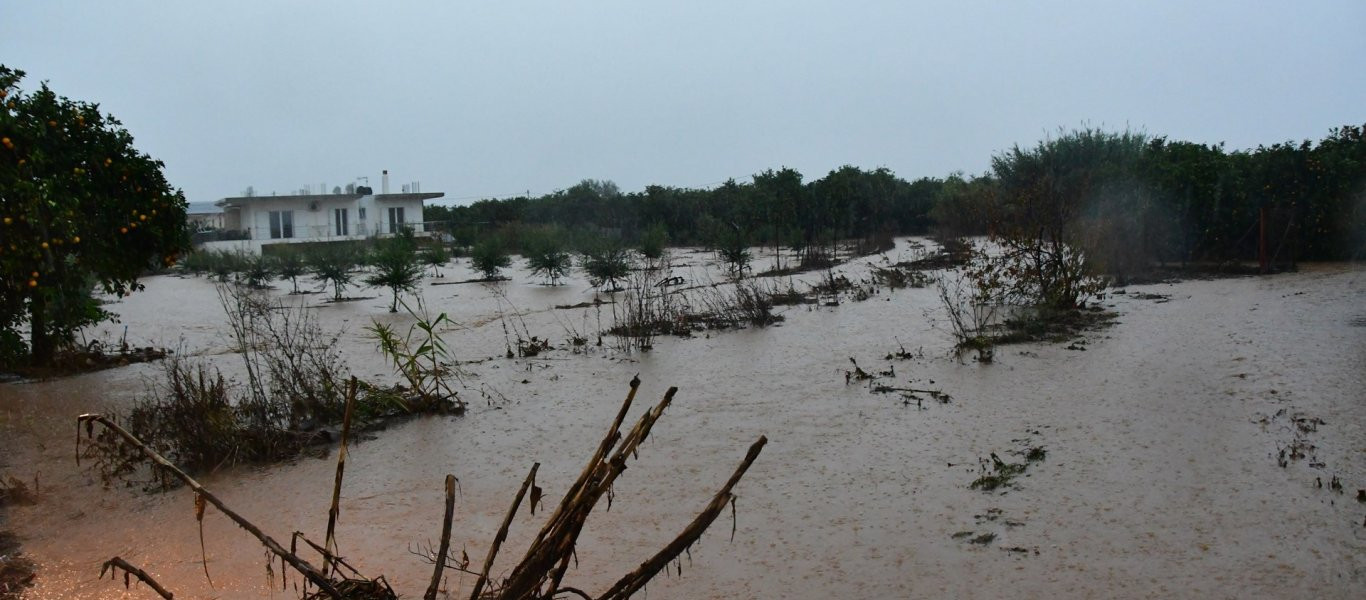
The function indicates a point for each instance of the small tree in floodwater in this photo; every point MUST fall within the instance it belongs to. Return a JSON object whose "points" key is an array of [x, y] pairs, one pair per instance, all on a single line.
{"points": [[654, 242], [395, 265], [333, 265], [549, 260], [435, 256], [732, 245], [256, 270], [289, 264], [606, 263], [489, 258]]}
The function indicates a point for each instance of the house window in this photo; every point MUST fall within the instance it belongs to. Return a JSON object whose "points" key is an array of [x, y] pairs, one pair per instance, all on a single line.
{"points": [[395, 219], [281, 224], [360, 213], [339, 218]]}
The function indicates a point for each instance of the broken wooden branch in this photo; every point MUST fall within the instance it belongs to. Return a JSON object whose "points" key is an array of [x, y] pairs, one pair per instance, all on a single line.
{"points": [[503, 531], [637, 579], [300, 565], [113, 565], [330, 541], [541, 570], [445, 539]]}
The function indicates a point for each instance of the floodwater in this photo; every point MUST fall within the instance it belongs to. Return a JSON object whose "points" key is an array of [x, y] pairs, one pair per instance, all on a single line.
{"points": [[1161, 476]]}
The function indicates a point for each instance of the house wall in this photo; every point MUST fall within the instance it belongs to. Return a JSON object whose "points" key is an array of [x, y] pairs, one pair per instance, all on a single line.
{"points": [[412, 213], [314, 219]]}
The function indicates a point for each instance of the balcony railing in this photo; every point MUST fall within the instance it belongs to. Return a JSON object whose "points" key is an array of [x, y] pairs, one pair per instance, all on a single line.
{"points": [[321, 232]]}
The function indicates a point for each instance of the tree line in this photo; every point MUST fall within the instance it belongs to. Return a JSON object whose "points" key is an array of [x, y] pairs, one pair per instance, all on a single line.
{"points": [[1131, 198]]}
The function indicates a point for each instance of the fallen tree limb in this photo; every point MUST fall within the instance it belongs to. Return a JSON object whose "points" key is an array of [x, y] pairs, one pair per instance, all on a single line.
{"points": [[114, 565], [330, 540], [445, 539], [633, 581], [300, 565], [503, 531]]}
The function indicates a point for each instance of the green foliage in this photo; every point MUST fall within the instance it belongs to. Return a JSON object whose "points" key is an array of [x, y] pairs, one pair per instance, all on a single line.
{"points": [[1057, 201], [421, 358], [256, 270], [79, 207], [549, 260], [289, 264], [333, 264], [732, 245], [224, 264], [654, 241], [395, 265], [434, 256], [606, 263], [488, 257]]}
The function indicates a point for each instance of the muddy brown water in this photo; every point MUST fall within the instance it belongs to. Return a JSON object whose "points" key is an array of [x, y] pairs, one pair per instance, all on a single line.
{"points": [[1161, 478]]}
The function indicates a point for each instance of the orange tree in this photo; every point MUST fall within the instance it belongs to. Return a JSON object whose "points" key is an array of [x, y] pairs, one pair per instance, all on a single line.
{"points": [[80, 208]]}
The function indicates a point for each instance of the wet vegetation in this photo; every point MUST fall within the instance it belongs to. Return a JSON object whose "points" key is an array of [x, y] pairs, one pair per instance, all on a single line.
{"points": [[1142, 200], [538, 575]]}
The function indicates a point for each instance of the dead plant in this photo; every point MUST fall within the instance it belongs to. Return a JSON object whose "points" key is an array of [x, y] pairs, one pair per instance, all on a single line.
{"points": [[538, 575]]}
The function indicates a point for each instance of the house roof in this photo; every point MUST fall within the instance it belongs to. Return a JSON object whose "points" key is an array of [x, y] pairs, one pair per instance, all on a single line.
{"points": [[241, 200], [202, 208], [417, 196]]}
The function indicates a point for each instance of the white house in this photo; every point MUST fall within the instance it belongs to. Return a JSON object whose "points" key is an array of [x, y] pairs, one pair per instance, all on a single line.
{"points": [[257, 221]]}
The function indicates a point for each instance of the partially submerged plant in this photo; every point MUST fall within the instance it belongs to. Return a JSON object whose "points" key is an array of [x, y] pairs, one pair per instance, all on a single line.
{"points": [[435, 256], [606, 263], [395, 266], [539, 575], [333, 265], [550, 261], [489, 258], [422, 358], [289, 264]]}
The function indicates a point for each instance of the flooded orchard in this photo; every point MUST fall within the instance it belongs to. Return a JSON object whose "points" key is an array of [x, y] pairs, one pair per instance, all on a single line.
{"points": [[1155, 472]]}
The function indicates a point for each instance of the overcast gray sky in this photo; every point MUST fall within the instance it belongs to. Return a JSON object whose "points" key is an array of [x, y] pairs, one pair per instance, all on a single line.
{"points": [[481, 99]]}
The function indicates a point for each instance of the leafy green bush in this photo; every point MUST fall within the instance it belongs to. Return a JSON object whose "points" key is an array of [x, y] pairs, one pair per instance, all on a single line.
{"points": [[489, 258], [395, 266]]}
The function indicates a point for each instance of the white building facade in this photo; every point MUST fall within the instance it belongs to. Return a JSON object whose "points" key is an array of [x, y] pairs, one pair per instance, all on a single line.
{"points": [[258, 221]]}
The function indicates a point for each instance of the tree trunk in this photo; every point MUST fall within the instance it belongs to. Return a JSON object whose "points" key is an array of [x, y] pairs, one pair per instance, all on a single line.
{"points": [[40, 344]]}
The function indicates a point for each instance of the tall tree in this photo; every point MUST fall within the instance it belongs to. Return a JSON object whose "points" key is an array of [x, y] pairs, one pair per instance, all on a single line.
{"points": [[79, 207]]}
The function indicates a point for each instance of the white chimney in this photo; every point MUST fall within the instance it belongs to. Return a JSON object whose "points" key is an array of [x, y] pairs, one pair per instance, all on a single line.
{"points": [[384, 186]]}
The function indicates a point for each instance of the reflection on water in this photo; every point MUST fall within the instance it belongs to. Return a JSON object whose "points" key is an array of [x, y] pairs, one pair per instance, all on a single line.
{"points": [[1160, 478]]}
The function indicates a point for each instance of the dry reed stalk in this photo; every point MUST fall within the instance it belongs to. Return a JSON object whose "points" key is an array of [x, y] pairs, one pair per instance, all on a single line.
{"points": [[330, 541], [507, 522], [541, 571], [445, 539], [299, 564], [635, 580], [113, 565]]}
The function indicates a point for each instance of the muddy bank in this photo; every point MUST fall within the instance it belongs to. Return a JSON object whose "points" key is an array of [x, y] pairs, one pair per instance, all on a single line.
{"points": [[1160, 478]]}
